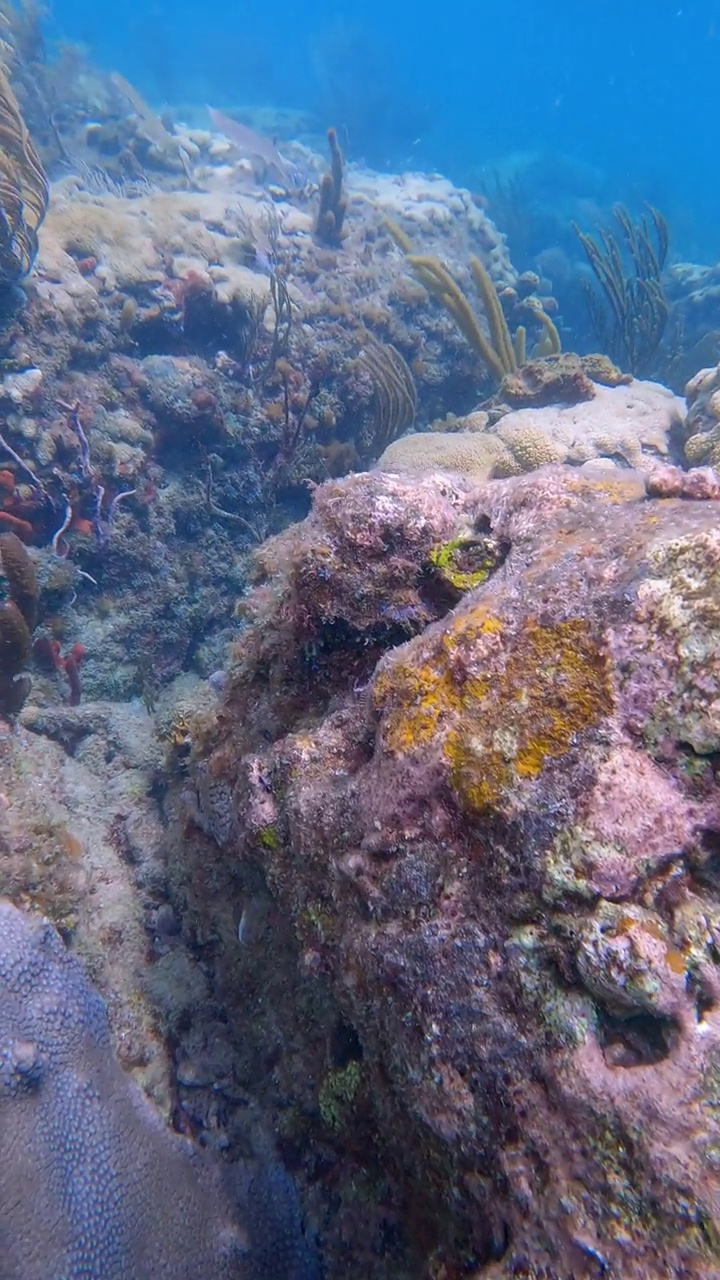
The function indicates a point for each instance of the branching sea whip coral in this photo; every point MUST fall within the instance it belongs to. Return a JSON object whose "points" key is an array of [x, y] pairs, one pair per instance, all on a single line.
{"points": [[501, 352], [631, 324]]}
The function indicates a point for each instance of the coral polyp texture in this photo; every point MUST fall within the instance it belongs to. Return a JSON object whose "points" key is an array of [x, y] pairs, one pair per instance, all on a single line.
{"points": [[702, 424], [625, 424], [496, 844], [91, 1184]]}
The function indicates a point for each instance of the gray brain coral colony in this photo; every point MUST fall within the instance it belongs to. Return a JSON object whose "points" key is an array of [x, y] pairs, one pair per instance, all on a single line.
{"points": [[92, 1184]]}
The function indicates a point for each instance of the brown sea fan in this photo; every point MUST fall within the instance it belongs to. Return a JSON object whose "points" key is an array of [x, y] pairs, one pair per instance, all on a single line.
{"points": [[23, 189]]}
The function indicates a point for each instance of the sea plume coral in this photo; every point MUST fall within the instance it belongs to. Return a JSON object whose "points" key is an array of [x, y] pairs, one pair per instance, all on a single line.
{"points": [[501, 352], [630, 314], [23, 189]]}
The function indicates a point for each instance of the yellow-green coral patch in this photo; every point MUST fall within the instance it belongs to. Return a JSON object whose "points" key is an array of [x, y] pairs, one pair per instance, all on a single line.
{"points": [[555, 683], [418, 698]]}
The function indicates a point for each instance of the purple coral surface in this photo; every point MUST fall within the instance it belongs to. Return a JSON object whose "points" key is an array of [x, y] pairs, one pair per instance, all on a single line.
{"points": [[496, 845]]}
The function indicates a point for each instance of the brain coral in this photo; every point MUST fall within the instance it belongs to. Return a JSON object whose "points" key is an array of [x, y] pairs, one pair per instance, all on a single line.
{"points": [[622, 423], [92, 1186], [474, 454]]}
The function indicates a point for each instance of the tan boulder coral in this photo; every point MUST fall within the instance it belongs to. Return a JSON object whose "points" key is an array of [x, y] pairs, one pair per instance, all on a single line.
{"points": [[621, 424], [475, 454], [432, 210], [702, 424], [133, 240]]}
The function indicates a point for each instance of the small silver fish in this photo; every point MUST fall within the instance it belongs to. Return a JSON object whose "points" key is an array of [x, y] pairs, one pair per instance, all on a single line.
{"points": [[251, 143]]}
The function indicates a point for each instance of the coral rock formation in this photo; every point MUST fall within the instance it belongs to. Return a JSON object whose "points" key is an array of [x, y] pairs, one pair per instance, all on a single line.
{"points": [[623, 424], [702, 425], [90, 1183], [499, 856], [17, 620]]}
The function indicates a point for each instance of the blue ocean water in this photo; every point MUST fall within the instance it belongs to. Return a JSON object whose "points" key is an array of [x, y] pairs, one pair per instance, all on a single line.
{"points": [[620, 99]]}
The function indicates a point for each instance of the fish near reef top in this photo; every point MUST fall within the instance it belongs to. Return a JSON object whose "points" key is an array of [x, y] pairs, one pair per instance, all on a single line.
{"points": [[92, 1184], [251, 143]]}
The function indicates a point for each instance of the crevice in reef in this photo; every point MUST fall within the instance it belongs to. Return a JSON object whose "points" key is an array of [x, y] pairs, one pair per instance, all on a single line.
{"points": [[704, 859], [641, 1040]]}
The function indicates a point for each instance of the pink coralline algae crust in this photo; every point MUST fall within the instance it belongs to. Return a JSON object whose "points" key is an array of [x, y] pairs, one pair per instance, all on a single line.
{"points": [[672, 482], [500, 853], [335, 592]]}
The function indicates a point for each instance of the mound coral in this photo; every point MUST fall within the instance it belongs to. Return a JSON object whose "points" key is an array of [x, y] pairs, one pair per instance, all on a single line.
{"points": [[622, 423], [67, 1105], [558, 379], [702, 425], [474, 454]]}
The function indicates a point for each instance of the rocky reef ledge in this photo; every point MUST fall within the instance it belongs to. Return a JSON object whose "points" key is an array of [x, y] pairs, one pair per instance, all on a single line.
{"points": [[468, 747]]}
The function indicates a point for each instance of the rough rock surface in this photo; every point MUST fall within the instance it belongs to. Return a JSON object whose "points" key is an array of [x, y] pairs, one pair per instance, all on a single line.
{"points": [[132, 239], [91, 1184], [498, 852], [81, 840]]}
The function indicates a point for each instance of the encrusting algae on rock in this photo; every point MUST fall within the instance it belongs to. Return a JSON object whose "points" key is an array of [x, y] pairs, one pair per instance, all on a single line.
{"points": [[554, 686], [500, 713]]}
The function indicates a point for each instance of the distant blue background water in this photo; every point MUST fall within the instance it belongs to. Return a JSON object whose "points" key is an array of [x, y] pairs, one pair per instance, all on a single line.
{"points": [[629, 89]]}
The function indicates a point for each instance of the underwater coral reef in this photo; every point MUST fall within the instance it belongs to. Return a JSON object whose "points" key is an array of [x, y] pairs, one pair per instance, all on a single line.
{"points": [[359, 689]]}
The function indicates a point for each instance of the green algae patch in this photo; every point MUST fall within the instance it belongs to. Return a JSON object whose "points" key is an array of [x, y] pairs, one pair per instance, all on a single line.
{"points": [[464, 563], [268, 838], [338, 1092]]}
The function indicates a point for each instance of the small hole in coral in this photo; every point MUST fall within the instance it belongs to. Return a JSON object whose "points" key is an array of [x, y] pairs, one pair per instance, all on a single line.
{"points": [[704, 998], [703, 1005], [639, 1041], [704, 860], [345, 1044]]}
